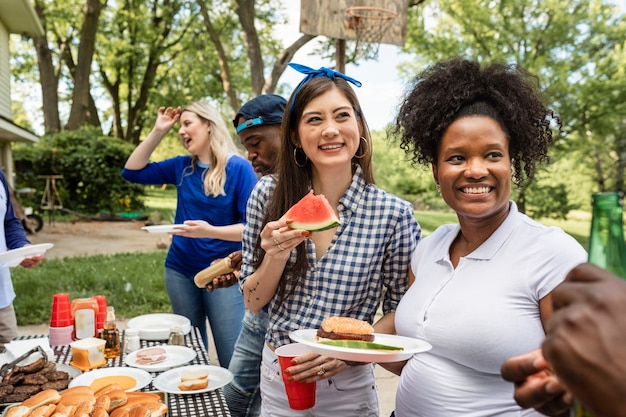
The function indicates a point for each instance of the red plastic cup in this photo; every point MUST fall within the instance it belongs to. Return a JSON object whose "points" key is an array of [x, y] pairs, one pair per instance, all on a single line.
{"points": [[102, 311], [61, 314], [301, 395]]}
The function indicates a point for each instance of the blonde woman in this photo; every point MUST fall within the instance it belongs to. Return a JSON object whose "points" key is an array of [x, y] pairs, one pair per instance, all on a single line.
{"points": [[212, 186]]}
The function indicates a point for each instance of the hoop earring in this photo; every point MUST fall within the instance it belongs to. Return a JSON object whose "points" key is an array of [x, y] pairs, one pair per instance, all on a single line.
{"points": [[365, 148], [295, 157]]}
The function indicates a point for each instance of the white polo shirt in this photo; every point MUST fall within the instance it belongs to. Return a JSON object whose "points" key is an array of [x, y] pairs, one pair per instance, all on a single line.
{"points": [[478, 315]]}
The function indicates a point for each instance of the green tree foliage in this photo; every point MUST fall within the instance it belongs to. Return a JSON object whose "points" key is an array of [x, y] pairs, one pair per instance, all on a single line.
{"points": [[90, 164], [395, 173], [576, 48]]}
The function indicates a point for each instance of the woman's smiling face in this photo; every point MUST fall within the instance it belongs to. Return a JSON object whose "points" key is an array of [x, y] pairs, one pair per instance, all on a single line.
{"points": [[329, 130], [473, 168]]}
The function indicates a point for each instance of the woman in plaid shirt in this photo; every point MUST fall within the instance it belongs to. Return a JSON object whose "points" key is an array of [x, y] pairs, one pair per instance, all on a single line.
{"points": [[349, 270]]}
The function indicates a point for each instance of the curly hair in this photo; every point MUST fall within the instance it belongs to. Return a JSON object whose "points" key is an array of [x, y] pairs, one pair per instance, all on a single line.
{"points": [[452, 89]]}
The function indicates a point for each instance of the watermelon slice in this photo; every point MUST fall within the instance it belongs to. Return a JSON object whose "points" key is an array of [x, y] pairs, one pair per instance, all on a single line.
{"points": [[312, 213]]}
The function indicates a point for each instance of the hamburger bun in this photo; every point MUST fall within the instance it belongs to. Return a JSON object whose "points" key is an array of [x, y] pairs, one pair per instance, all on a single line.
{"points": [[117, 398], [103, 402], [84, 409], [78, 399], [64, 410], [49, 396], [106, 389], [141, 411], [194, 374], [43, 411], [18, 411], [193, 384], [157, 409], [345, 328], [78, 389]]}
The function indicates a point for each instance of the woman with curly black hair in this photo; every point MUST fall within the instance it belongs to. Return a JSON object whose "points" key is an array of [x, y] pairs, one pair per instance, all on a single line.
{"points": [[481, 288]]}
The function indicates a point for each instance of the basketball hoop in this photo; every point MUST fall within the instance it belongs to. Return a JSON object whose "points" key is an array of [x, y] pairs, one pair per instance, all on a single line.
{"points": [[369, 25]]}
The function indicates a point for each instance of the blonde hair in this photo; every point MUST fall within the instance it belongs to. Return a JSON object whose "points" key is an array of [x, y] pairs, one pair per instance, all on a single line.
{"points": [[221, 146]]}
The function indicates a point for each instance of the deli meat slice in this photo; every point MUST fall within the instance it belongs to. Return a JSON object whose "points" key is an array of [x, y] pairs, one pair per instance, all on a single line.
{"points": [[150, 356]]}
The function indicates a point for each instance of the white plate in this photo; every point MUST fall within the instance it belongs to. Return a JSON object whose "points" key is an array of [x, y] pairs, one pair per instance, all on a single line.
{"points": [[411, 346], [168, 381], [157, 326], [143, 378], [71, 371], [15, 256], [175, 356], [162, 228]]}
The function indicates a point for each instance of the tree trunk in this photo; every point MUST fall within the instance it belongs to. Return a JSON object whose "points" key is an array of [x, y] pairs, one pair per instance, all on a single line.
{"points": [[47, 78], [281, 63], [223, 58], [80, 94], [245, 11]]}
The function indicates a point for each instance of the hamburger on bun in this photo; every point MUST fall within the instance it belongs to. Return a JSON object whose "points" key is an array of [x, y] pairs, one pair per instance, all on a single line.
{"points": [[345, 328]]}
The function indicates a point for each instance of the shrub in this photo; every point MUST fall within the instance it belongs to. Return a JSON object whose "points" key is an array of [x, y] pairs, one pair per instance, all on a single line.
{"points": [[91, 165]]}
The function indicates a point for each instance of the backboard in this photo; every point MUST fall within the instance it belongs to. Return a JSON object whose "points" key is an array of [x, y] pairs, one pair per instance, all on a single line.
{"points": [[329, 18]]}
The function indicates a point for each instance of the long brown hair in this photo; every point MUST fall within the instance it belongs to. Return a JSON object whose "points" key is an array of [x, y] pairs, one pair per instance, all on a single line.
{"points": [[293, 181]]}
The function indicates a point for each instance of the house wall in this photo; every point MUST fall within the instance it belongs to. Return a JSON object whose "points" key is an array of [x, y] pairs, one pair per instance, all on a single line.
{"points": [[5, 74]]}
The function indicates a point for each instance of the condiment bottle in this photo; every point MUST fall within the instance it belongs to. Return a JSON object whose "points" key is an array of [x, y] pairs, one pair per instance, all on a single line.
{"points": [[606, 246], [84, 313], [111, 335], [131, 340], [177, 337]]}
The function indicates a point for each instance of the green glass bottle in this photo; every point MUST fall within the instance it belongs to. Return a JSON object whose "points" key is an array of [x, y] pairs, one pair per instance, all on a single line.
{"points": [[606, 239], [606, 245]]}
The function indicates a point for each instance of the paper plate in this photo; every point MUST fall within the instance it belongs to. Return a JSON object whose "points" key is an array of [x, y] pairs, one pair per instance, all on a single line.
{"points": [[157, 326], [175, 356], [168, 381], [410, 347], [161, 228], [15, 256], [142, 377]]}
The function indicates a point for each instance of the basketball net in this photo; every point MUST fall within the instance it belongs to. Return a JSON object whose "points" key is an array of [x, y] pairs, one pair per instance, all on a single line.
{"points": [[369, 25]]}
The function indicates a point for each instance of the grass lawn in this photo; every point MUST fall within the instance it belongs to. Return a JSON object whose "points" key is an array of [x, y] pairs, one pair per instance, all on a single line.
{"points": [[133, 283]]}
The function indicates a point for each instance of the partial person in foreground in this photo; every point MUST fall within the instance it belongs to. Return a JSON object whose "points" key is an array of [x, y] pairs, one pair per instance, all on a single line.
{"points": [[258, 125], [14, 238], [481, 290], [584, 349], [347, 270], [213, 184]]}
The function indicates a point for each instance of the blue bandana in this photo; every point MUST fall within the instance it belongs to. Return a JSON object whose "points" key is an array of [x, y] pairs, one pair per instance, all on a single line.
{"points": [[314, 73]]}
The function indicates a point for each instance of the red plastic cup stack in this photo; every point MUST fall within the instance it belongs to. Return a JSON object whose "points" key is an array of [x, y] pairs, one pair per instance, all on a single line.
{"points": [[61, 323], [102, 312]]}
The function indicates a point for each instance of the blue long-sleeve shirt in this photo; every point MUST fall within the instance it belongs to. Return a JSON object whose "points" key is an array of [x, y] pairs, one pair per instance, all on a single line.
{"points": [[191, 255], [14, 237]]}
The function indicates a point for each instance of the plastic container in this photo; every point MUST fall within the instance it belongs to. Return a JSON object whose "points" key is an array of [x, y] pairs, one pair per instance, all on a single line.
{"points": [[84, 313], [131, 340], [88, 353]]}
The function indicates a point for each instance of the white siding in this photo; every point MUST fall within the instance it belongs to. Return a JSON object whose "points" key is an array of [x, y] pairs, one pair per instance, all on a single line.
{"points": [[5, 74]]}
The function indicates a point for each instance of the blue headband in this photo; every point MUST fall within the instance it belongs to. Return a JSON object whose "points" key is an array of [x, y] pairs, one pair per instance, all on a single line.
{"points": [[314, 73]]}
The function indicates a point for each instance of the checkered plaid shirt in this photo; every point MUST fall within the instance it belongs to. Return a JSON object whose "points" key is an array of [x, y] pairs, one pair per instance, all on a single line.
{"points": [[368, 260]]}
